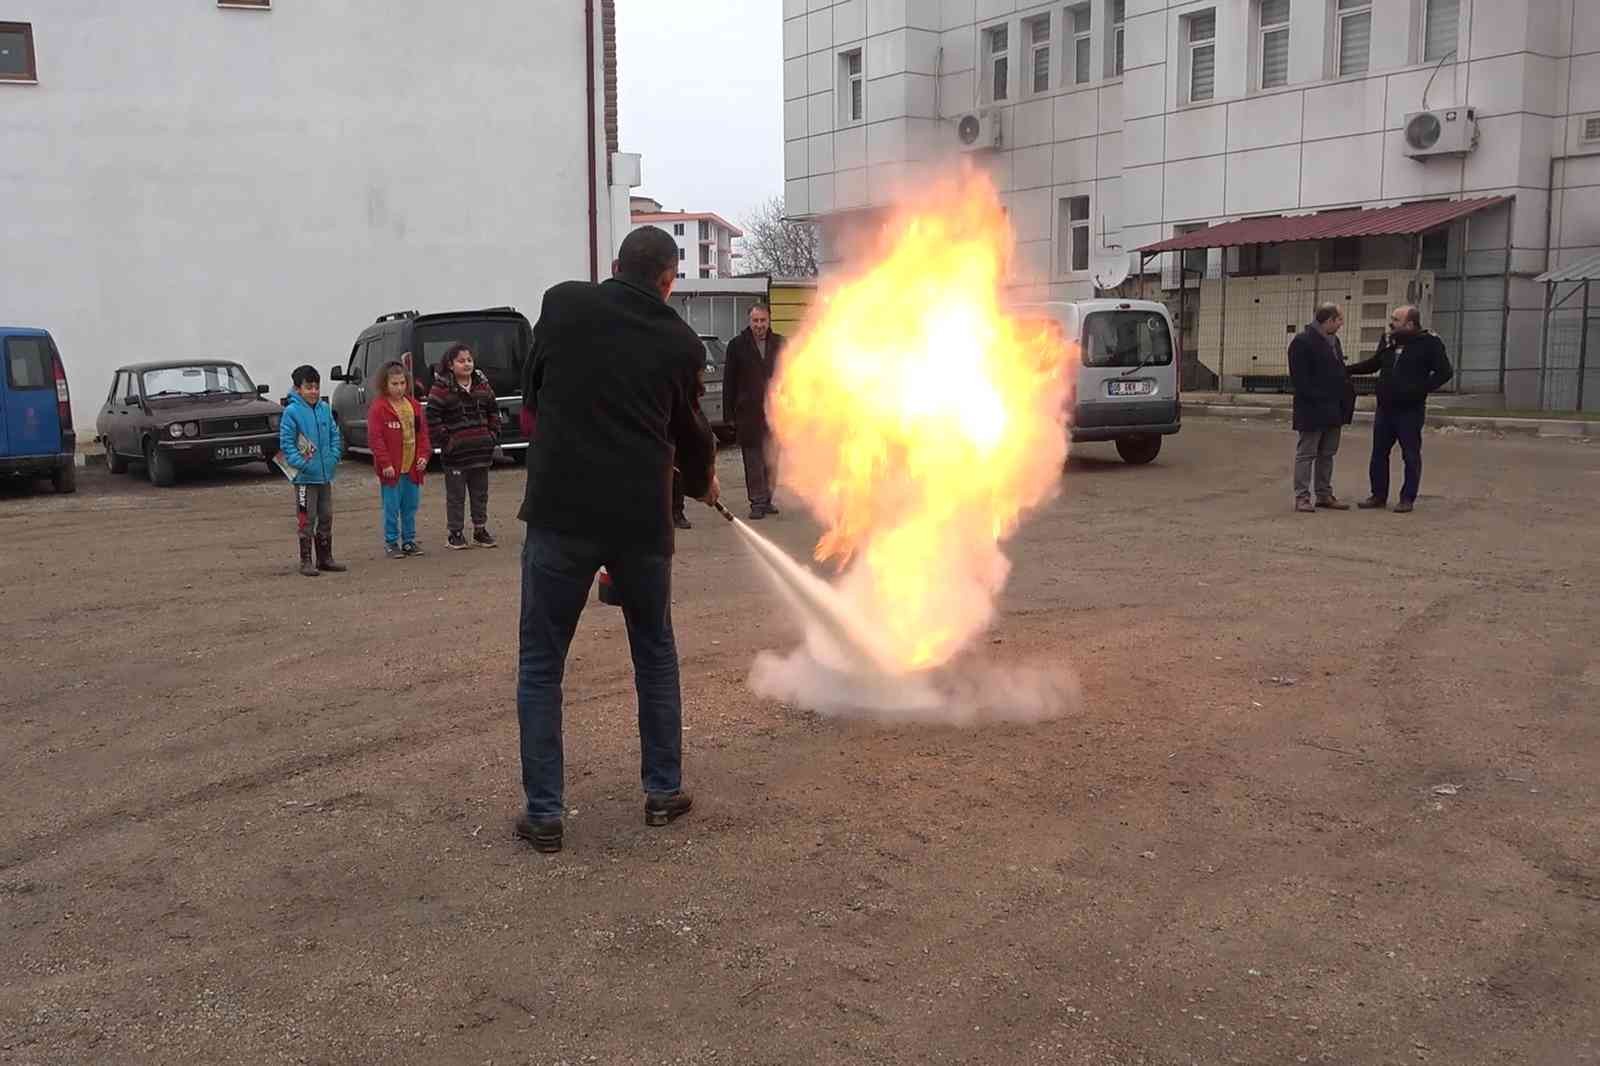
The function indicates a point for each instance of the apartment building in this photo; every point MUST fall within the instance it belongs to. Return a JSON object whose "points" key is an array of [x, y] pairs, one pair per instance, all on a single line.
{"points": [[259, 179], [705, 240], [1112, 126]]}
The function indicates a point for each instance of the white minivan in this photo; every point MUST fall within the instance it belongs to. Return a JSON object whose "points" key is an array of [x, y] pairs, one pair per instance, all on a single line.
{"points": [[1127, 363]]}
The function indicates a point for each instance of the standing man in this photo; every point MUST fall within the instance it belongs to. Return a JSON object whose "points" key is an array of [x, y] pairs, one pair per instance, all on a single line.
{"points": [[1316, 368], [1410, 363], [615, 382], [752, 364]]}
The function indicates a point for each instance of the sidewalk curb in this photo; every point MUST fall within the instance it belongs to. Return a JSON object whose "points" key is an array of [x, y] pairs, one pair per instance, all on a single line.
{"points": [[1536, 427]]}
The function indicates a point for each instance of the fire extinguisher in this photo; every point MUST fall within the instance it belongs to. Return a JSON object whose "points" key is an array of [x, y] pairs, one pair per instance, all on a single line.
{"points": [[608, 591]]}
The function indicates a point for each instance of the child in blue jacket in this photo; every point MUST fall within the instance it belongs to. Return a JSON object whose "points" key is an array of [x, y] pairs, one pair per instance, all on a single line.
{"points": [[311, 444]]}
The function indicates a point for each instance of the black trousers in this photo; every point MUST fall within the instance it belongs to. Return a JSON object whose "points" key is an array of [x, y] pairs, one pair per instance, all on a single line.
{"points": [[1389, 428]]}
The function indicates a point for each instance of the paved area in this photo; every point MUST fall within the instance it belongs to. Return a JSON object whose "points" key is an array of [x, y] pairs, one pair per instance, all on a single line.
{"points": [[1332, 795]]}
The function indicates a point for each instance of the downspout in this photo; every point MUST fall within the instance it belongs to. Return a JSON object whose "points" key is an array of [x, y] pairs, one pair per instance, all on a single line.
{"points": [[594, 192]]}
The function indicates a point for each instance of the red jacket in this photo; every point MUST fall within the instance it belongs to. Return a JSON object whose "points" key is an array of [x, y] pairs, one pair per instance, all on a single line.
{"points": [[383, 437]]}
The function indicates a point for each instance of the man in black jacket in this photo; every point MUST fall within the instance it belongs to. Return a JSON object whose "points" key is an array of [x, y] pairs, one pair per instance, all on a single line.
{"points": [[752, 364], [1316, 368], [614, 382], [1410, 363]]}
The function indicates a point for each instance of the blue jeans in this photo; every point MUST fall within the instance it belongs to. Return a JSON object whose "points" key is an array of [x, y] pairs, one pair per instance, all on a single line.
{"points": [[557, 572], [1405, 428], [400, 511]]}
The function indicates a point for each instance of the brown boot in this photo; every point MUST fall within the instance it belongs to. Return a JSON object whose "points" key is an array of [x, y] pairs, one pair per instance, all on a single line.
{"points": [[1332, 503], [325, 555], [1305, 507], [307, 567]]}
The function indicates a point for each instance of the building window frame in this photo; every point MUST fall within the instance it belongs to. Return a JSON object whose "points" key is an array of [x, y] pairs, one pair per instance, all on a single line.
{"points": [[1079, 22], [1193, 24], [1116, 39], [852, 87], [1270, 35], [1346, 13], [677, 229], [1040, 46], [29, 75], [1429, 16], [996, 62], [1073, 220], [1589, 132]]}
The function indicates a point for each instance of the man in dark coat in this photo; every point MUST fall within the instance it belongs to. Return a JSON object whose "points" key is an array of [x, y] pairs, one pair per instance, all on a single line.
{"points": [[1316, 369], [1410, 363], [614, 384], [752, 364]]}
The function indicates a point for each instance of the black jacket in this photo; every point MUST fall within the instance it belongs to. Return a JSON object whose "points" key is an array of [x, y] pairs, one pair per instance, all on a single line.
{"points": [[1317, 372], [745, 383], [614, 381], [1408, 368]]}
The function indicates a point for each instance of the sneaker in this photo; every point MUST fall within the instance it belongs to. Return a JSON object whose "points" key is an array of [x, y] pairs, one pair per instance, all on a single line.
{"points": [[483, 538], [1305, 507], [1372, 503], [1403, 507], [757, 514], [411, 547], [661, 808], [457, 541], [681, 521], [392, 551], [544, 834], [1333, 503]]}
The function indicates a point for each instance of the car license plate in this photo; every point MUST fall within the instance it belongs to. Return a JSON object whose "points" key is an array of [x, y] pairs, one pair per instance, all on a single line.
{"points": [[238, 451], [1142, 387], [714, 389]]}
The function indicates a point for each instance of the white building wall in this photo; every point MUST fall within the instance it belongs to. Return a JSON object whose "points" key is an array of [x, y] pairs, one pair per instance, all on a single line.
{"points": [[1151, 160], [263, 184]]}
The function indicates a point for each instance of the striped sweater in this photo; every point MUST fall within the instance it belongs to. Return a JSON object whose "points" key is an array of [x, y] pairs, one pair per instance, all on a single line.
{"points": [[464, 424]]}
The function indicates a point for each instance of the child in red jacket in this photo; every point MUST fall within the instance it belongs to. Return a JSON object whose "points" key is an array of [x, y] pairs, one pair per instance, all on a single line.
{"points": [[397, 432]]}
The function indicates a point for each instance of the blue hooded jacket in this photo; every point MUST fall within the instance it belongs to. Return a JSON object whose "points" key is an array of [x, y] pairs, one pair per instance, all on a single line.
{"points": [[317, 425]]}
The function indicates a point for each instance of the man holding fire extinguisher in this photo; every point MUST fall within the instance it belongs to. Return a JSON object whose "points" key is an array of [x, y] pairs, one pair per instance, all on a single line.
{"points": [[612, 389]]}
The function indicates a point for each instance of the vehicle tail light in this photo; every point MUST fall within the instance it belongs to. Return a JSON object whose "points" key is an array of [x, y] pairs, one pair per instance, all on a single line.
{"points": [[63, 397]]}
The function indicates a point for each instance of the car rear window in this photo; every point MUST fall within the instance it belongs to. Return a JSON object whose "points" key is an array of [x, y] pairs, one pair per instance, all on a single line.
{"points": [[1126, 338], [497, 344], [28, 363]]}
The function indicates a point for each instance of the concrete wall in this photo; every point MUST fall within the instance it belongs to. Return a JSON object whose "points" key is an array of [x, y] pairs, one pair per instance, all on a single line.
{"points": [[263, 184]]}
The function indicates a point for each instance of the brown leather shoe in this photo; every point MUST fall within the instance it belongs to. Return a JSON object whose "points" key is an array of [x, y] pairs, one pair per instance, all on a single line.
{"points": [[1333, 503], [1403, 507], [544, 835], [661, 809], [1305, 507], [1372, 503]]}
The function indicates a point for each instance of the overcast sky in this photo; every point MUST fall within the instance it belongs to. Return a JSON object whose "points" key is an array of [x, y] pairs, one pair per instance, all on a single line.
{"points": [[701, 98]]}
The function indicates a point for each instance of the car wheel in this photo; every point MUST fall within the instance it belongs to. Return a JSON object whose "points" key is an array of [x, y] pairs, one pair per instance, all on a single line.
{"points": [[114, 462], [1138, 450], [158, 466], [65, 479]]}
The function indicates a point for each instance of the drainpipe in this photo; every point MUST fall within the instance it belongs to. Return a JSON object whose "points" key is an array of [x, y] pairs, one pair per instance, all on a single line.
{"points": [[594, 192]]}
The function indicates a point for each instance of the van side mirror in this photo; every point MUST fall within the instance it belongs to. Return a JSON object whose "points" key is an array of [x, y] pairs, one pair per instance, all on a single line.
{"points": [[336, 374], [262, 390]]}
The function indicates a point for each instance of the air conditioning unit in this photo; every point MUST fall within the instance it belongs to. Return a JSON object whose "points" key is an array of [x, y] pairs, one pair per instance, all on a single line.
{"points": [[978, 130], [1442, 131]]}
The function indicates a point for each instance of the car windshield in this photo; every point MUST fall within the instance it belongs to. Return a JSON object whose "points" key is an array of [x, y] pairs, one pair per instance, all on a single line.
{"points": [[201, 379], [1126, 338]]}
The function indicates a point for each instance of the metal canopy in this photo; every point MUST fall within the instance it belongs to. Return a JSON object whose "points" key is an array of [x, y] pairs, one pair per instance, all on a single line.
{"points": [[1583, 270], [1405, 219]]}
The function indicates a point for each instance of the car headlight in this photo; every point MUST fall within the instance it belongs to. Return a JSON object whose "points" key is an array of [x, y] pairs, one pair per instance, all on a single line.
{"points": [[176, 429], [191, 429], [272, 421]]}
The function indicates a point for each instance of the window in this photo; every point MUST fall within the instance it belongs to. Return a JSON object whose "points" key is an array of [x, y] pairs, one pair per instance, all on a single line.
{"points": [[1342, 254], [1119, 11], [677, 229], [1194, 260], [1039, 52], [1274, 43], [1074, 234], [1435, 255], [16, 52], [130, 387], [1202, 46], [1126, 338], [1442, 25], [1256, 260], [680, 276], [995, 45], [1591, 128], [28, 363], [853, 91], [705, 272], [1080, 44], [705, 230], [1354, 36], [682, 255]]}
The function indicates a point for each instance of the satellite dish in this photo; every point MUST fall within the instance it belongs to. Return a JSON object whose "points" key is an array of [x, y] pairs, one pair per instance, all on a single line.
{"points": [[1108, 267]]}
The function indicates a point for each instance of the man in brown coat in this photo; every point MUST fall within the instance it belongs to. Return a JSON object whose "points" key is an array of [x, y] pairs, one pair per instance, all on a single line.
{"points": [[752, 364]]}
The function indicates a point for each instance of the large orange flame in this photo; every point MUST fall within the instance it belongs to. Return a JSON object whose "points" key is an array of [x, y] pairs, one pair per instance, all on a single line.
{"points": [[920, 420]]}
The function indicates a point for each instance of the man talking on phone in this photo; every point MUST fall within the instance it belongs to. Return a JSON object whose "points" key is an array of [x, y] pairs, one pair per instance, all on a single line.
{"points": [[1410, 363]]}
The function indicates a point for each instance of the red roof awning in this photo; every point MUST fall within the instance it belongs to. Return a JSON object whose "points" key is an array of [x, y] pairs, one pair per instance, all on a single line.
{"points": [[1325, 225]]}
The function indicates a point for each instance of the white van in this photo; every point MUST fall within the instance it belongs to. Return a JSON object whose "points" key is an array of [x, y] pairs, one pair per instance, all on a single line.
{"points": [[1127, 388]]}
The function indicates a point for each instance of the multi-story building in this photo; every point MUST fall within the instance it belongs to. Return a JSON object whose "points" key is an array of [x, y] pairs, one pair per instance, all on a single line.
{"points": [[705, 240], [260, 179], [1112, 126]]}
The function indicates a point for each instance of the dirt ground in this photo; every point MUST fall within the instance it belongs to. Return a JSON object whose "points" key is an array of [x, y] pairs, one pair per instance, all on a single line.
{"points": [[253, 818]]}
